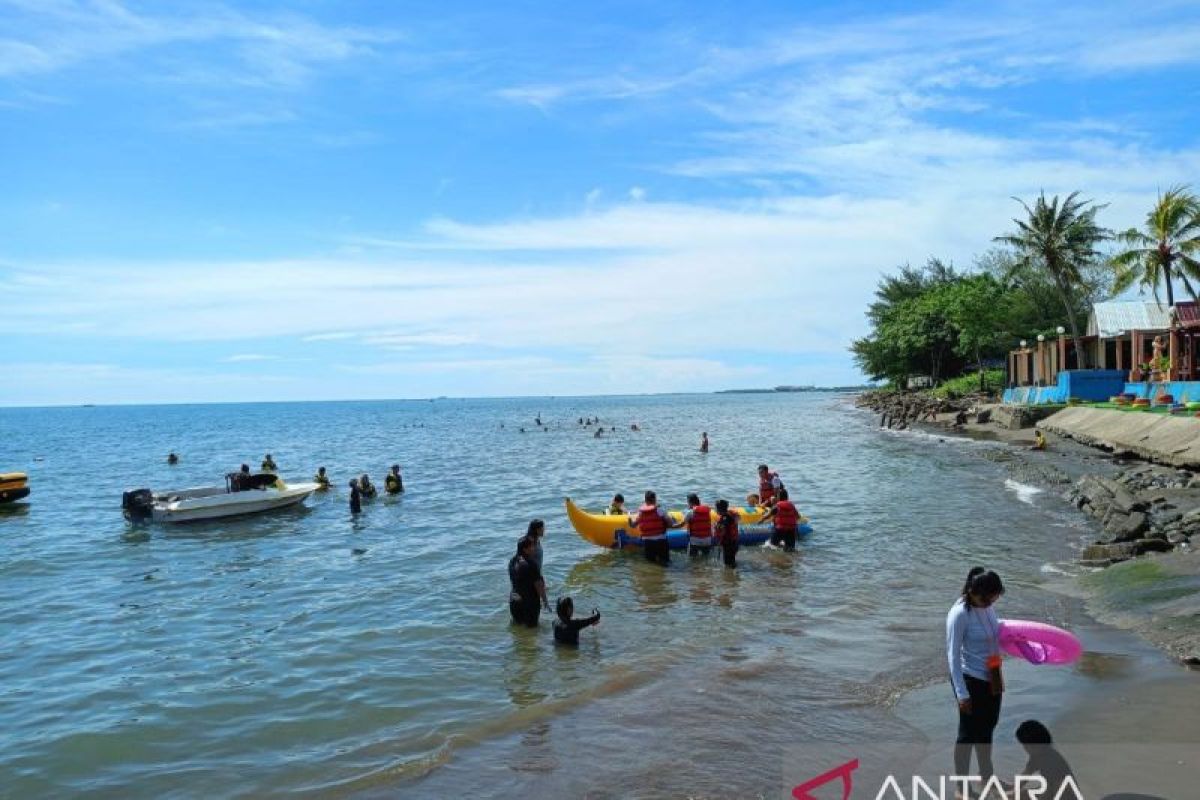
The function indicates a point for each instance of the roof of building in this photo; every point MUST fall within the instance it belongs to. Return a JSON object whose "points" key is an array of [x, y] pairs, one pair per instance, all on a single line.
{"points": [[1188, 314], [1117, 317]]}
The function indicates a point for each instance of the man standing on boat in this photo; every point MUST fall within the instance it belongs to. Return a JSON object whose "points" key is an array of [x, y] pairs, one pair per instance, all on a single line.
{"points": [[652, 524]]}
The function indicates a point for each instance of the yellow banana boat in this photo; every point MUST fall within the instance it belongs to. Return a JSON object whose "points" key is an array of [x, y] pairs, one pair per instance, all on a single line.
{"points": [[601, 529], [12, 486]]}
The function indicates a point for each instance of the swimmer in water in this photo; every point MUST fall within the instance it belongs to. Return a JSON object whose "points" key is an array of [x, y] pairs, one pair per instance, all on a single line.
{"points": [[566, 630], [321, 479], [394, 483], [704, 442], [355, 497], [366, 487], [172, 458], [268, 464], [617, 506]]}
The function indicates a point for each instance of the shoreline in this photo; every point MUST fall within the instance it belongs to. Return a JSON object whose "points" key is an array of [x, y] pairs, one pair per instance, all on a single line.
{"points": [[1117, 593]]}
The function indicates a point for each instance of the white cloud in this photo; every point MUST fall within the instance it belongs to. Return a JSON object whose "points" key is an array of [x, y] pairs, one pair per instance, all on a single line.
{"points": [[244, 357], [637, 194]]}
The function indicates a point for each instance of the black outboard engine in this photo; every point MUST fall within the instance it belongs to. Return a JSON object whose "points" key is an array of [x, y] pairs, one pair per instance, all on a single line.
{"points": [[138, 504]]}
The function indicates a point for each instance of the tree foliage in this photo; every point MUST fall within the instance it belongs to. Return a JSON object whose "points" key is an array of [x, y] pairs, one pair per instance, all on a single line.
{"points": [[1168, 247]]}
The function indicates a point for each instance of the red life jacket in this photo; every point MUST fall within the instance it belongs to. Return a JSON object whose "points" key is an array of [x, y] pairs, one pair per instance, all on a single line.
{"points": [[700, 525], [650, 523], [766, 489], [786, 516]]}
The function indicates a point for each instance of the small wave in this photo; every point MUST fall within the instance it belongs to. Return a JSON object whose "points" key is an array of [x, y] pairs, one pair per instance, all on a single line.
{"points": [[1024, 492]]}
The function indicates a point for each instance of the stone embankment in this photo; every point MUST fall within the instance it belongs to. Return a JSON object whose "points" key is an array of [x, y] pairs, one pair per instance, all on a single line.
{"points": [[902, 409], [1174, 441], [1145, 509]]}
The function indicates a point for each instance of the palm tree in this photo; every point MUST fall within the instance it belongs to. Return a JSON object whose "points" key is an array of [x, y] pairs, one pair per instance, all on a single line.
{"points": [[1167, 248], [1060, 239]]}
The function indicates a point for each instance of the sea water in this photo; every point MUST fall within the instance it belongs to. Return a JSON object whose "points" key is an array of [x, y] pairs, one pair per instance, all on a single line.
{"points": [[310, 651]]}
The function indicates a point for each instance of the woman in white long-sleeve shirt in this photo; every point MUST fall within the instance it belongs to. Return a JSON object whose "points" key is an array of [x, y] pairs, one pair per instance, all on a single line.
{"points": [[973, 653]]}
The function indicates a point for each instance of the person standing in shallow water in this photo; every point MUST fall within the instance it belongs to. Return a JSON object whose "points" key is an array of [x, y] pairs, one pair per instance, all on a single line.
{"points": [[528, 588], [355, 497], [727, 533], [394, 482], [535, 531], [652, 524], [704, 442], [973, 655]]}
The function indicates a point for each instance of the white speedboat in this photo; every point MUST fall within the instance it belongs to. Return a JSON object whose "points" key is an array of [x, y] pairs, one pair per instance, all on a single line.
{"points": [[251, 494]]}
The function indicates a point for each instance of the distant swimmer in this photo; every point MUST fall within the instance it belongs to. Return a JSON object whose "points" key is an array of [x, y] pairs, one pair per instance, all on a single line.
{"points": [[538, 420], [355, 497], [522, 430], [704, 442], [321, 479], [566, 629], [617, 506], [172, 459], [786, 522], [599, 431], [1039, 440], [245, 469], [698, 521], [634, 427], [769, 484], [652, 523], [581, 420], [366, 487], [394, 483], [268, 464]]}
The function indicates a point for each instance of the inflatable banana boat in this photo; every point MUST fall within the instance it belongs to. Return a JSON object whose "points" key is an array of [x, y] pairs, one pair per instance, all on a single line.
{"points": [[613, 530], [12, 486]]}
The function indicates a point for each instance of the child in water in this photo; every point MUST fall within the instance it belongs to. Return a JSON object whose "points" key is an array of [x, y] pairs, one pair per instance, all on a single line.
{"points": [[727, 533], [617, 506], [1044, 759], [566, 630], [753, 501]]}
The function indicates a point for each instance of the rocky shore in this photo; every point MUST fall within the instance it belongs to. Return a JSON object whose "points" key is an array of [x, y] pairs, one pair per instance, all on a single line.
{"points": [[1143, 569]]}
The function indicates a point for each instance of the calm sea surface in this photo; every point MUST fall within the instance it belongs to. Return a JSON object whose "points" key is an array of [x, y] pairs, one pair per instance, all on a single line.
{"points": [[308, 652]]}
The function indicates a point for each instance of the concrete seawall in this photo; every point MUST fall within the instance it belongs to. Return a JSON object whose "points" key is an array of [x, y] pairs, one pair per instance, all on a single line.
{"points": [[1156, 437]]}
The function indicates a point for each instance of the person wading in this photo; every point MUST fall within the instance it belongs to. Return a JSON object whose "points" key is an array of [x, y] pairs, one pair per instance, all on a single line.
{"points": [[528, 595], [652, 524]]}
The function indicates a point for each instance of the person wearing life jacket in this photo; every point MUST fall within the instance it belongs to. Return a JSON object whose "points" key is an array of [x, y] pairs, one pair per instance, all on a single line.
{"points": [[727, 533], [321, 479], [698, 521], [786, 521], [394, 483], [617, 506], [652, 524], [768, 485], [268, 464]]}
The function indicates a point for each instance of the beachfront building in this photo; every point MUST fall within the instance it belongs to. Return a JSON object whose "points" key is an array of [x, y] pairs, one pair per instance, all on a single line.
{"points": [[1129, 345], [1120, 336]]}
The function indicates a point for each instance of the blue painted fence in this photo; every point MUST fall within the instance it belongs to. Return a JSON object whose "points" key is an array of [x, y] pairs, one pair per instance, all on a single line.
{"points": [[1093, 385]]}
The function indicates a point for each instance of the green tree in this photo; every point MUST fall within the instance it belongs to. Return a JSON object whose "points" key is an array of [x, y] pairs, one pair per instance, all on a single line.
{"points": [[1166, 248], [1062, 239], [979, 308]]}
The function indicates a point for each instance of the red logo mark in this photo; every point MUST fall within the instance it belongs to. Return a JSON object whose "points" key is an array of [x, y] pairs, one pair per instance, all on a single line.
{"points": [[801, 791]]}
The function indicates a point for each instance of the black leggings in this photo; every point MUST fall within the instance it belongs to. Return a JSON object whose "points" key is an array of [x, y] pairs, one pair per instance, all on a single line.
{"points": [[785, 537], [729, 552], [657, 550], [975, 729], [525, 613]]}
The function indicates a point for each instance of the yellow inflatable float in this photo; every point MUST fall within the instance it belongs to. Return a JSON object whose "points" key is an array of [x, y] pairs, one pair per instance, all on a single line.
{"points": [[601, 529]]}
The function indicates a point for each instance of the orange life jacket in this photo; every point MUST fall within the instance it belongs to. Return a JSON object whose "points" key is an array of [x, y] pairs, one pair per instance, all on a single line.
{"points": [[766, 489], [786, 516], [700, 525], [650, 523]]}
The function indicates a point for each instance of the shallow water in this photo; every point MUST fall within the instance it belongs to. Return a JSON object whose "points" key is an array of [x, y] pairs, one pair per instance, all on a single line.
{"points": [[304, 651]]}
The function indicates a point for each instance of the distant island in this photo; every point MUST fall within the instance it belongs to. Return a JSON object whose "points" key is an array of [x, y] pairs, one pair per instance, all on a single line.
{"points": [[796, 389]]}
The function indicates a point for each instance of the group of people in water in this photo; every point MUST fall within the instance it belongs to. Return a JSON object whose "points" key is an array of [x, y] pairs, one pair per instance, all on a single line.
{"points": [[528, 598]]}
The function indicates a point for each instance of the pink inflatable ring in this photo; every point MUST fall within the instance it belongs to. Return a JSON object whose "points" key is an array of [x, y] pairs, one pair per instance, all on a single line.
{"points": [[1038, 643]]}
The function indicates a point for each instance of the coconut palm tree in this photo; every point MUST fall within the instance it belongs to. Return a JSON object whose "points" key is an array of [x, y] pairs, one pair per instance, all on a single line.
{"points": [[1060, 238], [1167, 247]]}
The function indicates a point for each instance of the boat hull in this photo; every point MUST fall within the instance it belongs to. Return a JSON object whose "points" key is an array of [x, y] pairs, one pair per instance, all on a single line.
{"points": [[13, 494], [613, 530], [204, 506]]}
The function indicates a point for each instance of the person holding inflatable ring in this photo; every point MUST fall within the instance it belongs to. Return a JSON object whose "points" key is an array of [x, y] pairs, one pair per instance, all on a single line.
{"points": [[973, 655]]}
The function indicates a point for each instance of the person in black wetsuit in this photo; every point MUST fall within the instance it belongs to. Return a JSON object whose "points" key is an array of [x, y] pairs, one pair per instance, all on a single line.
{"points": [[355, 497], [528, 595], [566, 630]]}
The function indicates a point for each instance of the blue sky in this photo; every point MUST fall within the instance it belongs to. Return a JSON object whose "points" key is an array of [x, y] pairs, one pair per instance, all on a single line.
{"points": [[320, 200]]}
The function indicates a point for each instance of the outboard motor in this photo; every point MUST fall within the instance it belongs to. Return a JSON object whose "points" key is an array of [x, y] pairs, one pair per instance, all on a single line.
{"points": [[138, 504]]}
